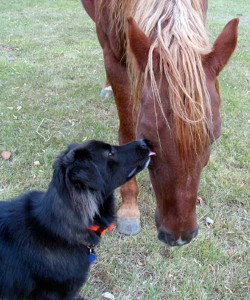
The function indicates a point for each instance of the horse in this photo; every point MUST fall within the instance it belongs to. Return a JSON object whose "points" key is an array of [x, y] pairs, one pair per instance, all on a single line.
{"points": [[164, 75]]}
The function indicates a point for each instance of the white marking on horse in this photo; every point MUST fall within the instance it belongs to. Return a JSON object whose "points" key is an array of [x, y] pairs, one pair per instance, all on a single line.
{"points": [[180, 242]]}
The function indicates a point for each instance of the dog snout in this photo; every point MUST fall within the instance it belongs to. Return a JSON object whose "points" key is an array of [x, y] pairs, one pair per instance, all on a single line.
{"points": [[173, 240], [144, 144]]}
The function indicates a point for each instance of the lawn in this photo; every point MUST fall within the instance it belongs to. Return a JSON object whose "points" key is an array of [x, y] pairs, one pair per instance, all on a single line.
{"points": [[51, 74]]}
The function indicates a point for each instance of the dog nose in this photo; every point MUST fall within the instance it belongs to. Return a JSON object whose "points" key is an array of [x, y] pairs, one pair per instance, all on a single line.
{"points": [[173, 240], [144, 144]]}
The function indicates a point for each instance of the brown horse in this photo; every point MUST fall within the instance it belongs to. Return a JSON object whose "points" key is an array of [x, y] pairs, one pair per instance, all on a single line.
{"points": [[163, 72]]}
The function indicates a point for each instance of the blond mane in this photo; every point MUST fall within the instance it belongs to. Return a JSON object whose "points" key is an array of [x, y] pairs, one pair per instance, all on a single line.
{"points": [[178, 34]]}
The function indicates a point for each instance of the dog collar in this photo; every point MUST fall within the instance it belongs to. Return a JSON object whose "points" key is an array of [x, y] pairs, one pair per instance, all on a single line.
{"points": [[101, 230]]}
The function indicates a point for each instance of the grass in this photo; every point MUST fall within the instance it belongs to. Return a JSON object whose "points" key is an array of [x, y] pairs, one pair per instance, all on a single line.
{"points": [[51, 74]]}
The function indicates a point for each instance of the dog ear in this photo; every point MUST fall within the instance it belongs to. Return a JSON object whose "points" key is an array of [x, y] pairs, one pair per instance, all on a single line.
{"points": [[84, 182], [86, 175]]}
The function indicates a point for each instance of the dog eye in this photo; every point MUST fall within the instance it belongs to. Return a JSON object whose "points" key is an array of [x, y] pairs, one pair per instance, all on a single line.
{"points": [[110, 153]]}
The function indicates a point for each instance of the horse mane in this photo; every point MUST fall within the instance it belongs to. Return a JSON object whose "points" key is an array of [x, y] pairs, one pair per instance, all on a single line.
{"points": [[179, 37]]}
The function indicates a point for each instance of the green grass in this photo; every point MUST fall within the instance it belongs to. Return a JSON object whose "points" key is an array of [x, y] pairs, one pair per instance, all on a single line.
{"points": [[51, 74]]}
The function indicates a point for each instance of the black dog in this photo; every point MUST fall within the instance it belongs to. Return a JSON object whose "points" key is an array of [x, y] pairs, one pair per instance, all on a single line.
{"points": [[46, 241]]}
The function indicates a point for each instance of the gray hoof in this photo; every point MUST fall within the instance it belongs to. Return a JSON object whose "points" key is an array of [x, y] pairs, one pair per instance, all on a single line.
{"points": [[107, 92], [128, 226]]}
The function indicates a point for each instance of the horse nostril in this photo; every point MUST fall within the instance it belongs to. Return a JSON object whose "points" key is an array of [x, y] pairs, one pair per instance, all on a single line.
{"points": [[174, 240], [166, 237]]}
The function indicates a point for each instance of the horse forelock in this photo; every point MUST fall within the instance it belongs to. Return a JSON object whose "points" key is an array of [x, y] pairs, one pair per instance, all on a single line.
{"points": [[179, 37]]}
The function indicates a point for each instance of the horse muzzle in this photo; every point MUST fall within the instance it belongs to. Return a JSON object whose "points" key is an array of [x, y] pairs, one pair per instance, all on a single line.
{"points": [[176, 240]]}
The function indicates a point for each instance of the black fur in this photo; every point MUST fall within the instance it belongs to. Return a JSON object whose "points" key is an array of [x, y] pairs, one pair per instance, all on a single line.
{"points": [[44, 235]]}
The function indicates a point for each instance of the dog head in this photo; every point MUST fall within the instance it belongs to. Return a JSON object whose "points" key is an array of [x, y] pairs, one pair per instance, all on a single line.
{"points": [[91, 171]]}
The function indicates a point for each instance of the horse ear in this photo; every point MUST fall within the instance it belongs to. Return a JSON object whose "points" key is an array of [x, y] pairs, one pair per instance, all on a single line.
{"points": [[139, 43], [223, 48]]}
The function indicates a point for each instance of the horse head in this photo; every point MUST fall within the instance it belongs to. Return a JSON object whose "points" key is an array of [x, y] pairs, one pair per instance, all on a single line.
{"points": [[175, 171]]}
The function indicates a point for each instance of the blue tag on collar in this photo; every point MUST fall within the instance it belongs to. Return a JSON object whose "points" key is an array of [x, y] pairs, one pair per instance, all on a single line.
{"points": [[92, 257]]}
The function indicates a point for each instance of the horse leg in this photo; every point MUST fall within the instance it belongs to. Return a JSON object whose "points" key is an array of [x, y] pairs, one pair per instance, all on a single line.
{"points": [[128, 216], [89, 6], [107, 91]]}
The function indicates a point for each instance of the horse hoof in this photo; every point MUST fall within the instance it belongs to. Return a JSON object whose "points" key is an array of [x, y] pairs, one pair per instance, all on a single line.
{"points": [[107, 92], [128, 226]]}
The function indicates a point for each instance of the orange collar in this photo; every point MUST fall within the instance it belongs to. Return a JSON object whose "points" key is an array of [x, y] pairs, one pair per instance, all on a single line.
{"points": [[100, 229]]}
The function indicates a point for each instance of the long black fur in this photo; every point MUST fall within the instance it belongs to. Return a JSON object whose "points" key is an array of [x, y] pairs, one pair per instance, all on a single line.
{"points": [[44, 236]]}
